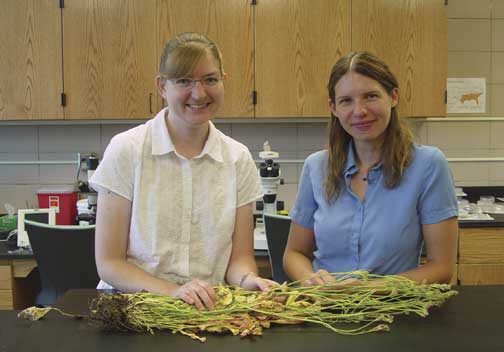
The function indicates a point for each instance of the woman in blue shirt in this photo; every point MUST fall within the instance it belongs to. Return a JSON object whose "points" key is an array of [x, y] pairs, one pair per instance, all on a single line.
{"points": [[373, 198]]}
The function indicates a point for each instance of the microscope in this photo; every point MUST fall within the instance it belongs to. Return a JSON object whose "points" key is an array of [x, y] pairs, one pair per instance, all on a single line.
{"points": [[269, 172], [88, 216]]}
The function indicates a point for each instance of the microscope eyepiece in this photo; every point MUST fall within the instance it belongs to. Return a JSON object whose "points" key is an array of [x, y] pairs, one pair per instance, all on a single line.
{"points": [[269, 169]]}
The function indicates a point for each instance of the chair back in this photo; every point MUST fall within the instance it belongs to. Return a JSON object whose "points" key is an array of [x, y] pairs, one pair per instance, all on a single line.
{"points": [[277, 229], [65, 258]]}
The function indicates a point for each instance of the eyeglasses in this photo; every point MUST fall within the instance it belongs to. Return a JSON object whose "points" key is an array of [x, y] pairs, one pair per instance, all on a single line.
{"points": [[189, 83]]}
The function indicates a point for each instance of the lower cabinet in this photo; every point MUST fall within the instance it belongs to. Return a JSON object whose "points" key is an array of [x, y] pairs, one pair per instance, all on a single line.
{"points": [[481, 256], [481, 274], [19, 283], [6, 301]]}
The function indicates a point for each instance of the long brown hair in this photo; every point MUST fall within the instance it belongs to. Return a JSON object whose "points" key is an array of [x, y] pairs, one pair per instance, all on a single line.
{"points": [[397, 149]]}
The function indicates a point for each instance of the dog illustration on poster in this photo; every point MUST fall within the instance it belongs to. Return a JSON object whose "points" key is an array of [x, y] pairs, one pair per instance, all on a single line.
{"points": [[469, 97]]}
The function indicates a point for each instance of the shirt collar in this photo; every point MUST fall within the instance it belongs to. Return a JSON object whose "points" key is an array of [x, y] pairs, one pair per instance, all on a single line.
{"points": [[212, 146], [162, 143], [351, 167]]}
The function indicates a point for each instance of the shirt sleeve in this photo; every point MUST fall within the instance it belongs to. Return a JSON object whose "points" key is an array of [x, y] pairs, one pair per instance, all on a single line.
{"points": [[438, 201], [305, 205], [248, 183], [115, 172]]}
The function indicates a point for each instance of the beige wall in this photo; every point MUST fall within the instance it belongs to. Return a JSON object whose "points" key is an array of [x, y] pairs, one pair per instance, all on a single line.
{"points": [[476, 46], [475, 49]]}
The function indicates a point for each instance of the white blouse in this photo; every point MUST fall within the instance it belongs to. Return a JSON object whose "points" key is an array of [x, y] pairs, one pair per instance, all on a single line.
{"points": [[183, 211]]}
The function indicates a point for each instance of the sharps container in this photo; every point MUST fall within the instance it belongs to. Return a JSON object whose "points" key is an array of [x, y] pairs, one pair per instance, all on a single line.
{"points": [[64, 199]]}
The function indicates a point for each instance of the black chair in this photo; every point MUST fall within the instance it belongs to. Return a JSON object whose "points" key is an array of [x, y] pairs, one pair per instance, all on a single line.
{"points": [[277, 231], [65, 258]]}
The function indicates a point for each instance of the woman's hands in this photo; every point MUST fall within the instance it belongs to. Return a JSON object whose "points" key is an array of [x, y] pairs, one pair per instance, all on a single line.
{"points": [[251, 281], [321, 277], [197, 292], [202, 295]]}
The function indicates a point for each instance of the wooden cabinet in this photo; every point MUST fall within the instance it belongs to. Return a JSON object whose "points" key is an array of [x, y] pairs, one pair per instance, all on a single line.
{"points": [[6, 301], [229, 25], [30, 61], [278, 64], [104, 55], [109, 52], [19, 283], [481, 256], [297, 43], [481, 274], [411, 36]]}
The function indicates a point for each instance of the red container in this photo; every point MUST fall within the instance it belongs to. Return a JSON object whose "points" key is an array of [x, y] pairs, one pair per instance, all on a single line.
{"points": [[63, 199]]}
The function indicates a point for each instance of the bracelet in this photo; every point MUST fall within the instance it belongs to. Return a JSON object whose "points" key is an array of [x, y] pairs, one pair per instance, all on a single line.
{"points": [[244, 277]]}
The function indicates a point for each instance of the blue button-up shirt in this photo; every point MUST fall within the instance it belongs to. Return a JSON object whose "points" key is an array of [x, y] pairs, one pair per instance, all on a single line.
{"points": [[382, 234]]}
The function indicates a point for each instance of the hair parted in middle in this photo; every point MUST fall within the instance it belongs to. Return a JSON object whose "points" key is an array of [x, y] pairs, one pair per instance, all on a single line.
{"points": [[397, 148]]}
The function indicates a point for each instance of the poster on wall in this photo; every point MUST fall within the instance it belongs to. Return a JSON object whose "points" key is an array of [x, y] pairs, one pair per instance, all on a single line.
{"points": [[466, 95]]}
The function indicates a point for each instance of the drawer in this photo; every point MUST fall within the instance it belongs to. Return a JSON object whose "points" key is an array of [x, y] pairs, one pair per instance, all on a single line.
{"points": [[5, 277], [6, 301], [481, 246], [481, 274]]}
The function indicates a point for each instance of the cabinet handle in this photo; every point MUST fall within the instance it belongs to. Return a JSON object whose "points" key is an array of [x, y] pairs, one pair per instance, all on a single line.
{"points": [[150, 103]]}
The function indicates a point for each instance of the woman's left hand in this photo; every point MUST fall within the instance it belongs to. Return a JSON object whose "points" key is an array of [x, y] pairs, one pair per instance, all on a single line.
{"points": [[254, 282]]}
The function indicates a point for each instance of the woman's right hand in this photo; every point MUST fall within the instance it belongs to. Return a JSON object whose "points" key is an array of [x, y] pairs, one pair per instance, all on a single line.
{"points": [[321, 277], [197, 292]]}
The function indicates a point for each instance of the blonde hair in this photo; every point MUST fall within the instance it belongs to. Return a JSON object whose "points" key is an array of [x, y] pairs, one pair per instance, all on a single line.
{"points": [[182, 53], [397, 148]]}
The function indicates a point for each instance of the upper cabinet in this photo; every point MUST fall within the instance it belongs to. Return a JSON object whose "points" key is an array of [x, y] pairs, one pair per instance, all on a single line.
{"points": [[30, 60], [297, 43], [104, 55], [109, 59], [229, 24], [411, 36]]}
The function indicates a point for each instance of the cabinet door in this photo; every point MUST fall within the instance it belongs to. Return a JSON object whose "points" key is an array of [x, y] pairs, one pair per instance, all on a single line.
{"points": [[481, 245], [298, 41], [481, 274], [411, 36], [229, 24], [481, 256], [30, 60], [6, 301], [5, 276], [109, 53]]}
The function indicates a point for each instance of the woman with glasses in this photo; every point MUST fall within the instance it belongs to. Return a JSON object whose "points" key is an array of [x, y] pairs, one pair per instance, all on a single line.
{"points": [[175, 194], [373, 198]]}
